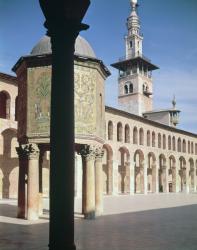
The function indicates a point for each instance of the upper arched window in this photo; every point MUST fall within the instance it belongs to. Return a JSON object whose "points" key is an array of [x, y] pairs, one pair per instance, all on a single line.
{"points": [[179, 145], [173, 143], [141, 136], [135, 136], [148, 138], [184, 146], [153, 139], [110, 130], [164, 142], [196, 149], [192, 148], [127, 133], [188, 147], [119, 131], [4, 105], [169, 143], [159, 140]]}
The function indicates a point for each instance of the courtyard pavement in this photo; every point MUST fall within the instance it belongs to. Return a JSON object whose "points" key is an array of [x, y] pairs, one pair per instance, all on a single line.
{"points": [[153, 222]]}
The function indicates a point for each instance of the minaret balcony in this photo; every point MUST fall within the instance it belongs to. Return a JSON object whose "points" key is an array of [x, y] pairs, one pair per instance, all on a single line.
{"points": [[124, 58], [147, 93]]}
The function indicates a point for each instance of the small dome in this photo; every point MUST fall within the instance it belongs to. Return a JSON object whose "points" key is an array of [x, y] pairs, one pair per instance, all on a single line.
{"points": [[82, 47]]}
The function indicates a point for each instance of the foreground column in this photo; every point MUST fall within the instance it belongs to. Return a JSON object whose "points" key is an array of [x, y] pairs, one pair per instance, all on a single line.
{"points": [[99, 182], [88, 157], [33, 183], [165, 179], [23, 160]]}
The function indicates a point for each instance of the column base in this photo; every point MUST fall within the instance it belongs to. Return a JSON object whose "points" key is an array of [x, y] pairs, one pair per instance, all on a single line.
{"points": [[90, 216], [55, 247]]}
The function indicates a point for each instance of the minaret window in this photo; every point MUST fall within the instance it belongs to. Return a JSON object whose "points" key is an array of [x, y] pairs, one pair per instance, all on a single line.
{"points": [[130, 88], [126, 91], [131, 44]]}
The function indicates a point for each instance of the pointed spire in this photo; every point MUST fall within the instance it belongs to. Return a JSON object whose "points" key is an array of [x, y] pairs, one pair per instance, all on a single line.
{"points": [[134, 7], [174, 102]]}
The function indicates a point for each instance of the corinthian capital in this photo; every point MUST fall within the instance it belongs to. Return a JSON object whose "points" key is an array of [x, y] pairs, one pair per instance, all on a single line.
{"points": [[30, 151], [88, 152]]}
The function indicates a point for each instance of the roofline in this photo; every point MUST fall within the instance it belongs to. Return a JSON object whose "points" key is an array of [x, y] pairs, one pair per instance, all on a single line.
{"points": [[150, 122], [10, 78], [161, 111], [49, 55]]}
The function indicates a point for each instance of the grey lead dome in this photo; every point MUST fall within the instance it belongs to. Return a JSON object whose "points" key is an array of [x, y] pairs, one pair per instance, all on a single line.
{"points": [[82, 47]]}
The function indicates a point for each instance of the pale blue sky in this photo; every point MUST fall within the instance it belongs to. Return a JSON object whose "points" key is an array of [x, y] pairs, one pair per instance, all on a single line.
{"points": [[170, 41]]}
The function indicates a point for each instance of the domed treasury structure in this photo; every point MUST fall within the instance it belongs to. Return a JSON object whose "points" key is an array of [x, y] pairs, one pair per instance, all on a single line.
{"points": [[34, 87]]}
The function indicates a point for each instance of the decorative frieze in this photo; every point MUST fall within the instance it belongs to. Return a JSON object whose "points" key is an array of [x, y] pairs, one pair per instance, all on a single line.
{"points": [[30, 151]]}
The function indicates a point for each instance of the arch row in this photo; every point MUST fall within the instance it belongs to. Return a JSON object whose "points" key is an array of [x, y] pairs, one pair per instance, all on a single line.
{"points": [[138, 172], [125, 133], [5, 105]]}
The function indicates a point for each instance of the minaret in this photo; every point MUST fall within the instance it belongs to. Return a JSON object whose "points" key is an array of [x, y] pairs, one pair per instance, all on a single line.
{"points": [[135, 70]]}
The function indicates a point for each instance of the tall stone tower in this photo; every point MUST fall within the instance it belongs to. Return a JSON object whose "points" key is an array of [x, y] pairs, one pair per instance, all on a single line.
{"points": [[135, 70]]}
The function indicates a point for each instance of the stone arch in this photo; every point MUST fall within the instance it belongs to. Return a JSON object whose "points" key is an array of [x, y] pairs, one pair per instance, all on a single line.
{"points": [[141, 136], [107, 169], [192, 147], [135, 135], [124, 170], [163, 176], [192, 175], [119, 132], [127, 133], [148, 138], [139, 171], [153, 139], [110, 130], [8, 136], [172, 174], [151, 173], [182, 174], [5, 105], [188, 147]]}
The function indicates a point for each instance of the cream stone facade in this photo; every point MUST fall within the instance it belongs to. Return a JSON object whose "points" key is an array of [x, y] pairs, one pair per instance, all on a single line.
{"points": [[117, 152]]}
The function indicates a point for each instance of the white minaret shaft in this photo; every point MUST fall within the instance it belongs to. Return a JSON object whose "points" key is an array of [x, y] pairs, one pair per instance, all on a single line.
{"points": [[133, 39]]}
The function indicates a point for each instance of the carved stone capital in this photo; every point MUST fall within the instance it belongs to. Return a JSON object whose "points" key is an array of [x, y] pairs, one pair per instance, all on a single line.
{"points": [[88, 152], [29, 151], [99, 154]]}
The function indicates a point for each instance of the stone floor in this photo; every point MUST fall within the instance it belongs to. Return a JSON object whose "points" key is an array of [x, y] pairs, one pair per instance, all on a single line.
{"points": [[156, 222]]}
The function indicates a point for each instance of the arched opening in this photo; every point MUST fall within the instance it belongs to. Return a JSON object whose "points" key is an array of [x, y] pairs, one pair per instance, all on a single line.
{"points": [[184, 146], [139, 171], [110, 130], [179, 145], [188, 147], [124, 171], [107, 170], [148, 138], [127, 133], [141, 135], [153, 139], [163, 174], [135, 136], [169, 143], [130, 88], [119, 131], [4, 105], [126, 90], [152, 173], [192, 148], [173, 143], [164, 142], [159, 140], [172, 174]]}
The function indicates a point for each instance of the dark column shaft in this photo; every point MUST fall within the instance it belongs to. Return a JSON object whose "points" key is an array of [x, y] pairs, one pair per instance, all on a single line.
{"points": [[61, 235]]}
